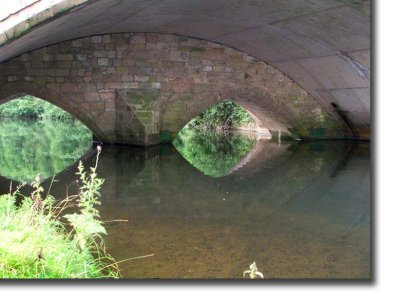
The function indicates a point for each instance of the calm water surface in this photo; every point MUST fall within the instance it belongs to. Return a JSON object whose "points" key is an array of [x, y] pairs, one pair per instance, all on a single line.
{"points": [[299, 210]]}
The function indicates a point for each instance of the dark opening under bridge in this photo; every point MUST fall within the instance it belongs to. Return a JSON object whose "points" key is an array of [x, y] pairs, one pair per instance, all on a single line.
{"points": [[135, 72]]}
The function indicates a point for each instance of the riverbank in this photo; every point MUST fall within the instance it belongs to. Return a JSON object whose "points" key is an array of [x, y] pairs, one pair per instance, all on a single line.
{"points": [[39, 240]]}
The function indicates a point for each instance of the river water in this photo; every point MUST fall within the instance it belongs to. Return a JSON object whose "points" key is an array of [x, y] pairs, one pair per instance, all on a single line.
{"points": [[207, 207]]}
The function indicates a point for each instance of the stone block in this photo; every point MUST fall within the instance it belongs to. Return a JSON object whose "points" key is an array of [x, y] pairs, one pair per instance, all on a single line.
{"points": [[103, 62], [111, 54], [96, 39], [63, 57], [141, 78], [77, 43], [122, 70], [127, 78], [69, 87], [99, 53], [121, 85], [138, 38], [91, 96], [97, 106]]}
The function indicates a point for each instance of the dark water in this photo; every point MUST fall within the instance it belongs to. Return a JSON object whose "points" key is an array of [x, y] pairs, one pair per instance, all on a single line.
{"points": [[299, 210]]}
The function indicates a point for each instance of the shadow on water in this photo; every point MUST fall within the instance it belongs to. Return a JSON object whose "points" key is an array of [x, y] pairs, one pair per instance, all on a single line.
{"points": [[300, 210]]}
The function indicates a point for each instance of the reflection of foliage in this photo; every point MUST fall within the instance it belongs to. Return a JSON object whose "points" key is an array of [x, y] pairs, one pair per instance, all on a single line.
{"points": [[32, 107], [46, 147], [213, 153], [223, 114]]}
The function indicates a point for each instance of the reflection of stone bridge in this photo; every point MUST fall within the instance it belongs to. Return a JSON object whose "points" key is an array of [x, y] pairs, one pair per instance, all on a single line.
{"points": [[278, 177], [299, 67]]}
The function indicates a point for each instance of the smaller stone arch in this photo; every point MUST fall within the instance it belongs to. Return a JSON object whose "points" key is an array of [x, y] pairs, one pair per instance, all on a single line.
{"points": [[269, 118], [13, 90]]}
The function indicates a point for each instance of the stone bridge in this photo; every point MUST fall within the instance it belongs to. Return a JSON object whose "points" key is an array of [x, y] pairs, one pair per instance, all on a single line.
{"points": [[135, 72]]}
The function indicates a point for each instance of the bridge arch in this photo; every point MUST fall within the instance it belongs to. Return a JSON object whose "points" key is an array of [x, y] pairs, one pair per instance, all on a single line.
{"points": [[304, 39], [16, 89], [142, 88]]}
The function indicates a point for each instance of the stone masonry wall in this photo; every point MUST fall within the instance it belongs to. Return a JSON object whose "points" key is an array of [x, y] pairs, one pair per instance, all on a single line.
{"points": [[142, 88]]}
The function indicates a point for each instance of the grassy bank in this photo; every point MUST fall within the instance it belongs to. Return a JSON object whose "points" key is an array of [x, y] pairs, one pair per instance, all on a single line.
{"points": [[38, 240]]}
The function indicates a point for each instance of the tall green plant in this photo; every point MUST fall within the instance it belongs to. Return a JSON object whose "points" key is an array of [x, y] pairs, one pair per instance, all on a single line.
{"points": [[35, 243], [86, 223]]}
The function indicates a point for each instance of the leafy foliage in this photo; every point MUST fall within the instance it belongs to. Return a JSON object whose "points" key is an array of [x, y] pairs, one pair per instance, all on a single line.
{"points": [[32, 107], [222, 115], [35, 243]]}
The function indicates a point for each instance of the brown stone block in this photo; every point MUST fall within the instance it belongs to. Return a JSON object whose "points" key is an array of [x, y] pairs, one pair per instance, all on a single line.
{"points": [[141, 78], [152, 38], [55, 87], [48, 57], [96, 39], [128, 62], [30, 79], [99, 53], [106, 96], [122, 70], [64, 57], [138, 38], [38, 72], [109, 47], [12, 78], [111, 54], [200, 80], [62, 72], [87, 87], [110, 106], [103, 62], [91, 96], [138, 47], [151, 46], [122, 46], [64, 64], [107, 39], [97, 106], [121, 85], [84, 106], [181, 85], [70, 87], [214, 53], [127, 78]]}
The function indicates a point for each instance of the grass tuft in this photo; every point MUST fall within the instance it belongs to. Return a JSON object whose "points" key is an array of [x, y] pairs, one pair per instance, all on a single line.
{"points": [[36, 243]]}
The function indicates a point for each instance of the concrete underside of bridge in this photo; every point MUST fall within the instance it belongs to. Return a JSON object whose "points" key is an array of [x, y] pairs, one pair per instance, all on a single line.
{"points": [[136, 71]]}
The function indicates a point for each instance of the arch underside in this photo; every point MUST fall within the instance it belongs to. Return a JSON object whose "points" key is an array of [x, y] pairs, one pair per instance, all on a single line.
{"points": [[324, 45], [142, 88]]}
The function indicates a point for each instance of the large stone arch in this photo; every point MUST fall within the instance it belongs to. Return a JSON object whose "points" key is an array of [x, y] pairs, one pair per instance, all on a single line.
{"points": [[322, 45], [142, 88], [16, 89]]}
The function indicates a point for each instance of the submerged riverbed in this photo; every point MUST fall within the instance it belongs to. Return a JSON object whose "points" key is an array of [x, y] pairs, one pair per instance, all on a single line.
{"points": [[299, 210]]}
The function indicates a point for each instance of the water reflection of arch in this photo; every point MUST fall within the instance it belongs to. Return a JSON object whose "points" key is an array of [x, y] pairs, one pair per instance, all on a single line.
{"points": [[17, 89], [276, 183]]}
